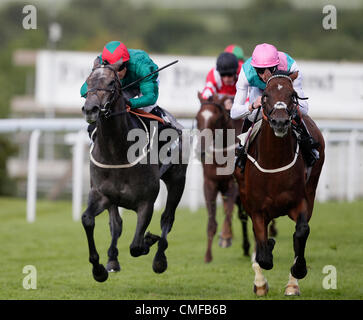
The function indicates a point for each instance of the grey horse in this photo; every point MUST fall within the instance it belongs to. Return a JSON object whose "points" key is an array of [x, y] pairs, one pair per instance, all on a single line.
{"points": [[115, 182]]}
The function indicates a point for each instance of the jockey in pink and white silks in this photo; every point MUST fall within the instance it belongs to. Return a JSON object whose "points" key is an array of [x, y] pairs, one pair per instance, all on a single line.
{"points": [[251, 82]]}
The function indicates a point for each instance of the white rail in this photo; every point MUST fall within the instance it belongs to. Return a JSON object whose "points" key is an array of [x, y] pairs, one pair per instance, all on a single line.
{"points": [[343, 140]]}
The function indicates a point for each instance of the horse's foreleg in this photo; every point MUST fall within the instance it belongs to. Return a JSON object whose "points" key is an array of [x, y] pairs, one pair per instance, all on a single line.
{"points": [[139, 246], [116, 230], [225, 239], [272, 229], [302, 230], [264, 246], [175, 183], [96, 204], [260, 287], [242, 215], [210, 194]]}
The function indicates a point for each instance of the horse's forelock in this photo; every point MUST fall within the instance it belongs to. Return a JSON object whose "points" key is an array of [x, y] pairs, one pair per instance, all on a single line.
{"points": [[99, 74], [283, 77]]}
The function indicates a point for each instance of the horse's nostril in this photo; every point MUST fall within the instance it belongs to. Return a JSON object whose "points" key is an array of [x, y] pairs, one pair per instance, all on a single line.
{"points": [[273, 122], [94, 109]]}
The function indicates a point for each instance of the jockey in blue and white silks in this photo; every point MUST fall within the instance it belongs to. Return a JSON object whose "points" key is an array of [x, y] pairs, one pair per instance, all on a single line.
{"points": [[251, 82], [250, 85]]}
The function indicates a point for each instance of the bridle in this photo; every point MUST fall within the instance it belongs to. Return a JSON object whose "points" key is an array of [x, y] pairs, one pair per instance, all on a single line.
{"points": [[280, 104], [116, 91]]}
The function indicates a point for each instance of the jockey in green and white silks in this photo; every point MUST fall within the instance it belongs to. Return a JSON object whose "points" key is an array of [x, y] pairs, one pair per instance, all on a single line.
{"points": [[251, 82], [137, 64]]}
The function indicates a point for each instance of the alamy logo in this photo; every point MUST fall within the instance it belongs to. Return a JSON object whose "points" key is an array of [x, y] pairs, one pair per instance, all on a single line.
{"points": [[30, 280], [30, 20], [330, 280], [330, 20]]}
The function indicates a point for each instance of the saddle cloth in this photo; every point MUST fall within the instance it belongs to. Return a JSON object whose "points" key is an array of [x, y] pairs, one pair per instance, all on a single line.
{"points": [[254, 130]]}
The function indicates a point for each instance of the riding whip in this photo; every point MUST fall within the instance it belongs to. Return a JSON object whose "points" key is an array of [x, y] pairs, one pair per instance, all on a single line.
{"points": [[138, 80]]}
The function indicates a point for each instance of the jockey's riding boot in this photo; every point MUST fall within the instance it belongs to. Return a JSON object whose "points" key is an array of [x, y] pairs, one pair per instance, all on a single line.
{"points": [[241, 154], [307, 143], [241, 157], [169, 120]]}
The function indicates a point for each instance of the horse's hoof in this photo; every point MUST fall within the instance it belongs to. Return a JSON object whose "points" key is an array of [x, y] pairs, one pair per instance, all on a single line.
{"points": [[225, 243], [299, 272], [139, 251], [261, 291], [160, 263], [113, 266], [208, 258], [100, 274], [292, 290]]}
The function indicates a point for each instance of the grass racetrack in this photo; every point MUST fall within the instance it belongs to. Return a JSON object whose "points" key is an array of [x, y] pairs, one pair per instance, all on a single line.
{"points": [[57, 247]]}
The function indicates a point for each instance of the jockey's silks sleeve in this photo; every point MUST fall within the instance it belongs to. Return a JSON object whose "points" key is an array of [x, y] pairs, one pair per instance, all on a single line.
{"points": [[140, 65]]}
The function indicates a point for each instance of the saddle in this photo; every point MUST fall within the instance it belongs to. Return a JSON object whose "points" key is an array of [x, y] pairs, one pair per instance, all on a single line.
{"points": [[144, 114]]}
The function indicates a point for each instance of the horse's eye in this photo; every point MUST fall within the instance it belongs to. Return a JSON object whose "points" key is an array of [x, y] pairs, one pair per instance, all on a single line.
{"points": [[111, 83]]}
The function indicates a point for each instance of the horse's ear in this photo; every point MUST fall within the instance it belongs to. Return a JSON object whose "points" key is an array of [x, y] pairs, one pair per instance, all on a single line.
{"points": [[116, 66], [294, 75], [96, 63], [215, 98], [200, 96]]}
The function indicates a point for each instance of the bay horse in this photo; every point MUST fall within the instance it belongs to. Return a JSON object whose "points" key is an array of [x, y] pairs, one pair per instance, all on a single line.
{"points": [[213, 116], [117, 182], [276, 181]]}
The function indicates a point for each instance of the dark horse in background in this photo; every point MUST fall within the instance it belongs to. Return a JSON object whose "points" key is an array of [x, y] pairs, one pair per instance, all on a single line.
{"points": [[115, 182], [212, 115], [276, 181]]}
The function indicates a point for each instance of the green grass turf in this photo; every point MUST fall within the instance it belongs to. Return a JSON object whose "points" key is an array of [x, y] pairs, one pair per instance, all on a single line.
{"points": [[57, 247]]}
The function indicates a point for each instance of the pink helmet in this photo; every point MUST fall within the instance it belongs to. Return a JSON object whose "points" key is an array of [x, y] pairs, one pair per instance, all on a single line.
{"points": [[265, 55]]}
